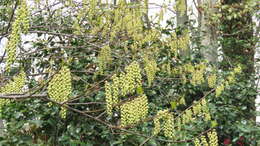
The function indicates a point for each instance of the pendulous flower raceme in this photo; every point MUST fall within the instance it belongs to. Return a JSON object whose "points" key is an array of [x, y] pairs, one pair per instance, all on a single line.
{"points": [[20, 25], [126, 83], [230, 80], [13, 87], [150, 69], [59, 88], [197, 74], [212, 139], [134, 111], [197, 110], [167, 123], [104, 58], [212, 80]]}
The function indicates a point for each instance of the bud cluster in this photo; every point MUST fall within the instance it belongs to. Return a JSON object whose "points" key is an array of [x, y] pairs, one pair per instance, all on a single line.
{"points": [[212, 139], [212, 80], [13, 87], [59, 88], [167, 123], [126, 83], [197, 110], [20, 25], [134, 111], [104, 58], [230, 80], [150, 69], [197, 75]]}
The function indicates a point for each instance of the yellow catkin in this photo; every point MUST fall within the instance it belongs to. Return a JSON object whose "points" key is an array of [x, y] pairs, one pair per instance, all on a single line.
{"points": [[131, 79], [183, 41], [213, 138], [196, 142], [157, 126], [168, 127], [197, 74], [20, 25], [174, 43], [212, 80], [134, 111], [104, 58], [220, 88], [205, 109], [13, 87], [230, 80], [126, 83], [150, 69], [197, 109], [109, 98], [204, 141], [24, 16], [59, 88]]}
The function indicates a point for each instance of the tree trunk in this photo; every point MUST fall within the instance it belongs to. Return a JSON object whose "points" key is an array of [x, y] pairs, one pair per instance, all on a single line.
{"points": [[208, 32]]}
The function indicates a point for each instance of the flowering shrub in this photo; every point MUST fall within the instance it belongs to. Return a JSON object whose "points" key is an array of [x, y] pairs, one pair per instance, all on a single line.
{"points": [[103, 74]]}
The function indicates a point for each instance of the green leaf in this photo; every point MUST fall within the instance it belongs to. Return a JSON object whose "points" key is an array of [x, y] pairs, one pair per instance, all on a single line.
{"points": [[214, 124], [173, 105]]}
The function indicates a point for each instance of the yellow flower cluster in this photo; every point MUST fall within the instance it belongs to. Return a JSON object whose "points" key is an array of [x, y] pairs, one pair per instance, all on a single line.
{"points": [[16, 85], [168, 123], [109, 98], [178, 42], [188, 68], [174, 43], [220, 88], [187, 116], [168, 127], [197, 72], [183, 41], [21, 24], [212, 137], [197, 110], [201, 108], [104, 58], [196, 142], [156, 121], [131, 80], [134, 111], [24, 16], [13, 87], [59, 88], [205, 109], [204, 141], [212, 80], [197, 75], [118, 23], [150, 69], [230, 80], [167, 69], [126, 83]]}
